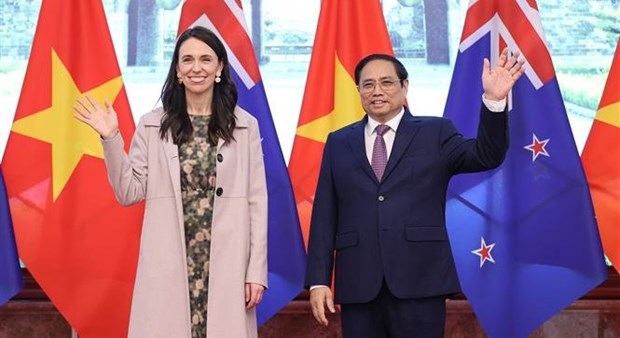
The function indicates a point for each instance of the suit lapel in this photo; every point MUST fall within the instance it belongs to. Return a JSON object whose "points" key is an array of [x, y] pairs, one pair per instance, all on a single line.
{"points": [[407, 129], [358, 147]]}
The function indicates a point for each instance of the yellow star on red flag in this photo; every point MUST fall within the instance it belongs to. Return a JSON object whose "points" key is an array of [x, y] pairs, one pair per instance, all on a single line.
{"points": [[77, 241], [347, 108], [69, 138], [347, 31]]}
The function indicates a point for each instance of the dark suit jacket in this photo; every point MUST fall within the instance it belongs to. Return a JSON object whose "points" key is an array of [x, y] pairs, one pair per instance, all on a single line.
{"points": [[394, 229]]}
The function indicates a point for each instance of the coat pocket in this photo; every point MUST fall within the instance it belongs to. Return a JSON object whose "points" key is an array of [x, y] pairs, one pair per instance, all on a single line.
{"points": [[425, 234], [346, 239]]}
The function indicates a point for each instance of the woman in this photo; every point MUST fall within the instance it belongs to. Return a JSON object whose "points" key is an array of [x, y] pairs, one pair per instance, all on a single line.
{"points": [[198, 163]]}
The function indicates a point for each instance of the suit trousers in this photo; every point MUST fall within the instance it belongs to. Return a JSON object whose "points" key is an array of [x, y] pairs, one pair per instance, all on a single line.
{"points": [[389, 317]]}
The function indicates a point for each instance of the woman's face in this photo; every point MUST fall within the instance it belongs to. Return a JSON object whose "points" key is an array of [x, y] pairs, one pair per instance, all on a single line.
{"points": [[198, 66]]}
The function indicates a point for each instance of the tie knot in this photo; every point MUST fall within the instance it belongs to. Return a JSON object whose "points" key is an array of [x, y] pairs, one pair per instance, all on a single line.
{"points": [[381, 129]]}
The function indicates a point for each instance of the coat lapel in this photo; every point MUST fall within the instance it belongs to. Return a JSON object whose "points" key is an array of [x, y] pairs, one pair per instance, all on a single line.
{"points": [[407, 129], [241, 123], [171, 153], [172, 156], [358, 147]]}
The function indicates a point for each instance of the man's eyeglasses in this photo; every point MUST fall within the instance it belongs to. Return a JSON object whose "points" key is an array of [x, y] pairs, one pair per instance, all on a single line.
{"points": [[385, 85]]}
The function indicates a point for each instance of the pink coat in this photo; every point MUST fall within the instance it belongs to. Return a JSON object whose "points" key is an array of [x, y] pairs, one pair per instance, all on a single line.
{"points": [[160, 303]]}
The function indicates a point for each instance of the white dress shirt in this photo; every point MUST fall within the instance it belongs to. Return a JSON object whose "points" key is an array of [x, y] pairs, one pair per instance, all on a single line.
{"points": [[370, 134]]}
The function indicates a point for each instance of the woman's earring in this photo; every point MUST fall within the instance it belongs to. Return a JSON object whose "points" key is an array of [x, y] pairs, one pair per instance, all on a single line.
{"points": [[218, 79], [180, 80]]}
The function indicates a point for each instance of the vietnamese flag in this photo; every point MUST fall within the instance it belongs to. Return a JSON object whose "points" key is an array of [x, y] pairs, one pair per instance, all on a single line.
{"points": [[80, 245], [347, 31], [601, 161]]}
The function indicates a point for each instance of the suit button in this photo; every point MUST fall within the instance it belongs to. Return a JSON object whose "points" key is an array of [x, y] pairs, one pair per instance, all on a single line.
{"points": [[220, 158], [381, 198], [219, 191]]}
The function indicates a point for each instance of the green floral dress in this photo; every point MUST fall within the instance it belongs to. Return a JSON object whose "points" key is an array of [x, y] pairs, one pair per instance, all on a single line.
{"points": [[197, 158]]}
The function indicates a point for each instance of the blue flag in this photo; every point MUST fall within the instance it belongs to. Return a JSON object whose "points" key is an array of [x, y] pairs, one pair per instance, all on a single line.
{"points": [[524, 236], [10, 271], [286, 253]]}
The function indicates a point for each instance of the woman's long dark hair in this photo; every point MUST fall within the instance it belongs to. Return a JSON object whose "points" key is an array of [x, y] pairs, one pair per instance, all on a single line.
{"points": [[176, 119]]}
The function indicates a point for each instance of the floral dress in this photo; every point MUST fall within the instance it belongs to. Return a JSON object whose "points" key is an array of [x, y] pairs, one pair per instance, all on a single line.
{"points": [[197, 158]]}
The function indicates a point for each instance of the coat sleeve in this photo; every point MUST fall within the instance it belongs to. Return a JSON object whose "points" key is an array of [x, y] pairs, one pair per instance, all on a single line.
{"points": [[486, 151], [258, 205], [127, 174], [320, 262]]}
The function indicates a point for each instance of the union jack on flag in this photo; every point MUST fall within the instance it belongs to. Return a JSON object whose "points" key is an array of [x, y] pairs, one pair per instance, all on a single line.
{"points": [[523, 236], [286, 253]]}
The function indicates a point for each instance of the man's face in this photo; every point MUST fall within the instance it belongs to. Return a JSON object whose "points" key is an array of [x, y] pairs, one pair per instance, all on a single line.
{"points": [[381, 92]]}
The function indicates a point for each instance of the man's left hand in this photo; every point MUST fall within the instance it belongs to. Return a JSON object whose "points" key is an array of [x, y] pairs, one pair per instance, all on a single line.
{"points": [[498, 81]]}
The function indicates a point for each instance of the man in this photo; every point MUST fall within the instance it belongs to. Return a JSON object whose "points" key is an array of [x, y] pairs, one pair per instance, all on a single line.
{"points": [[380, 202]]}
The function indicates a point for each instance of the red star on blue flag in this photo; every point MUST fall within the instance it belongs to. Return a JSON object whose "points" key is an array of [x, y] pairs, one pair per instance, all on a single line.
{"points": [[484, 252], [537, 147]]}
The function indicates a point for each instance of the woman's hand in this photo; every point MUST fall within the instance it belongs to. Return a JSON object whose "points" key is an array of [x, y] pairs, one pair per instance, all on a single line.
{"points": [[103, 121], [253, 294]]}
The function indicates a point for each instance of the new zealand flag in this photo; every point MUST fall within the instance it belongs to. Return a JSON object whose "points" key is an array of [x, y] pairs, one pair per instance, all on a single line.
{"points": [[524, 235]]}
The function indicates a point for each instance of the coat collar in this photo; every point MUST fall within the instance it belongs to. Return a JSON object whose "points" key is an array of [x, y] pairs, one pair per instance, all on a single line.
{"points": [[407, 129], [154, 120], [243, 122], [171, 150]]}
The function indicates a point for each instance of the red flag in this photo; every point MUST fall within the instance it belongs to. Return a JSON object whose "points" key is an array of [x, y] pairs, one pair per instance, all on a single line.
{"points": [[601, 161], [80, 245], [347, 31]]}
